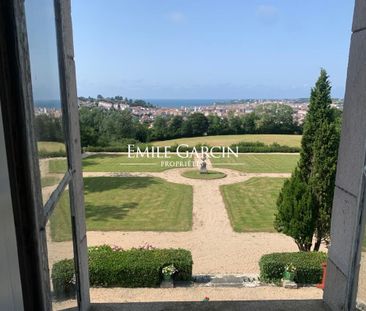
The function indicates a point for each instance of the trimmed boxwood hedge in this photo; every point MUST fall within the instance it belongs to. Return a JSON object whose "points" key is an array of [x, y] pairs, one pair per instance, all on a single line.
{"points": [[51, 154], [63, 279], [127, 268], [308, 266]]}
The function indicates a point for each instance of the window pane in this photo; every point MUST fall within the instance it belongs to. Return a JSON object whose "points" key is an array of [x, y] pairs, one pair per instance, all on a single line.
{"points": [[41, 30], [61, 256]]}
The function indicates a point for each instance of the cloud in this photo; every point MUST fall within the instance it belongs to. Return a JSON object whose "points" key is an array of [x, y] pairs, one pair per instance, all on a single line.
{"points": [[176, 17], [267, 13]]}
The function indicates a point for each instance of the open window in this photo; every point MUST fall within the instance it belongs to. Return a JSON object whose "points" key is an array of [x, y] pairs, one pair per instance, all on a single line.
{"points": [[36, 63]]}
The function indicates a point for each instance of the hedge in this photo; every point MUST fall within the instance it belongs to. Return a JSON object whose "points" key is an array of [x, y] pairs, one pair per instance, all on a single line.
{"points": [[261, 147], [126, 268], [63, 279], [51, 154], [243, 147], [308, 266]]}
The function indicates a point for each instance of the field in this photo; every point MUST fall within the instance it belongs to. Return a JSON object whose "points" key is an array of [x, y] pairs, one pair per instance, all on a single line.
{"points": [[50, 146], [195, 174], [251, 204], [227, 140], [259, 163], [119, 163], [129, 204]]}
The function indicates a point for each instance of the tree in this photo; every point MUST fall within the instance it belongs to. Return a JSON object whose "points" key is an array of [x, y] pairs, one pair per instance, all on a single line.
{"points": [[296, 212], [198, 124], [274, 118], [319, 112], [160, 128], [322, 177], [315, 174], [248, 123], [175, 127]]}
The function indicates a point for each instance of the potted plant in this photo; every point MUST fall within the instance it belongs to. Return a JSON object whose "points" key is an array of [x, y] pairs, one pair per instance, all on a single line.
{"points": [[290, 272], [168, 272]]}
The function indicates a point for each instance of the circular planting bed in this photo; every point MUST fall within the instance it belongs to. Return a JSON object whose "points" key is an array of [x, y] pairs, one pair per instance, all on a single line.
{"points": [[195, 174]]}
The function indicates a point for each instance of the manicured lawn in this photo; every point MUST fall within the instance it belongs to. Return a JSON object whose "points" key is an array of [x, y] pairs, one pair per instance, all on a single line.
{"points": [[51, 146], [227, 140], [60, 220], [259, 163], [122, 163], [130, 204], [251, 205], [47, 181], [195, 174], [58, 166]]}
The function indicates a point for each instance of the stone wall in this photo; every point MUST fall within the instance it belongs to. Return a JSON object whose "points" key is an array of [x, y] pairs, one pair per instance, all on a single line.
{"points": [[347, 220]]}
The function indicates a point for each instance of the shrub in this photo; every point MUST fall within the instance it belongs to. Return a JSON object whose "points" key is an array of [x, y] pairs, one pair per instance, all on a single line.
{"points": [[51, 154], [132, 268], [115, 148], [308, 266], [261, 147], [63, 279], [242, 147]]}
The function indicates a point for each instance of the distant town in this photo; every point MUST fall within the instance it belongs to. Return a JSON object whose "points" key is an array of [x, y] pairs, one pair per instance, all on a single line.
{"points": [[147, 112]]}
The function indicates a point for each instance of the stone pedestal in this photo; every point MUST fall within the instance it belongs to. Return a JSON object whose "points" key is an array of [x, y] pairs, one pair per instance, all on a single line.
{"points": [[289, 284], [167, 284]]}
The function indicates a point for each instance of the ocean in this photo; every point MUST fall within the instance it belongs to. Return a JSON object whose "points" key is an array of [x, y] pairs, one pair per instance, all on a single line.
{"points": [[48, 103], [167, 103], [177, 103]]}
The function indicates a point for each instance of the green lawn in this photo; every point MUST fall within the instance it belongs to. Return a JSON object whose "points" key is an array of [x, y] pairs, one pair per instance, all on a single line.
{"points": [[60, 220], [57, 166], [227, 140], [47, 181], [130, 204], [50, 146], [259, 163], [122, 163], [195, 174], [251, 204]]}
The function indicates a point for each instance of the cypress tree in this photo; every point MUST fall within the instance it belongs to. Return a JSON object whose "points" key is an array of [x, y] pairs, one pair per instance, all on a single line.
{"points": [[305, 202]]}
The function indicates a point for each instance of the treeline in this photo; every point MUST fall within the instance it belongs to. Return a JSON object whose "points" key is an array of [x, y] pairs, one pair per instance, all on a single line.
{"points": [[102, 128], [266, 119], [49, 128]]}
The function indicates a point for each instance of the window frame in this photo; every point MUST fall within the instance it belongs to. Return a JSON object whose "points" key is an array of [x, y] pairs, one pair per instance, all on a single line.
{"points": [[30, 215]]}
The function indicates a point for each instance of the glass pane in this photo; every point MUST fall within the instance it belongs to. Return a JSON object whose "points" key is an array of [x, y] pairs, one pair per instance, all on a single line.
{"points": [[61, 256], [41, 30]]}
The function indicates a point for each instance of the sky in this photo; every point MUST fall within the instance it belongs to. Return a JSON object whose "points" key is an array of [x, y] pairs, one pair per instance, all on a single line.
{"points": [[217, 49]]}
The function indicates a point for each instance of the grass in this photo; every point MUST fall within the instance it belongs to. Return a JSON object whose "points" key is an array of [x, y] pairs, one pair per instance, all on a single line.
{"points": [[129, 204], [251, 204], [50, 146], [195, 174], [259, 163], [57, 166], [60, 220], [227, 140], [47, 181], [122, 163]]}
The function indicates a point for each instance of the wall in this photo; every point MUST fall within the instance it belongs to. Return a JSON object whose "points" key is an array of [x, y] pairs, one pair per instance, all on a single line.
{"points": [[347, 205], [10, 286]]}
